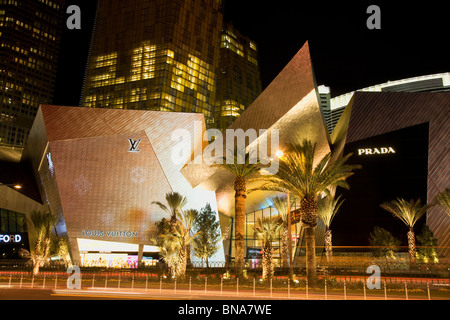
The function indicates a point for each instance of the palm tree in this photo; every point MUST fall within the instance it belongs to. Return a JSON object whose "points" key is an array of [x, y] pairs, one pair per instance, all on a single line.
{"points": [[175, 244], [170, 245], [43, 224], [306, 181], [186, 223], [281, 206], [175, 204], [409, 212], [267, 230], [443, 199], [241, 172], [328, 207]]}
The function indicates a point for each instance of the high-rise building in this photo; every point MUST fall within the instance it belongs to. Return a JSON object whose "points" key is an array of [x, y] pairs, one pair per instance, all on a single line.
{"points": [[160, 55], [333, 108], [29, 46], [325, 107], [239, 80]]}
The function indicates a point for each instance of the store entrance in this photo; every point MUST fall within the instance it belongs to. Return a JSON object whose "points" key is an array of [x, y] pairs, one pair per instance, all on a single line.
{"points": [[106, 254]]}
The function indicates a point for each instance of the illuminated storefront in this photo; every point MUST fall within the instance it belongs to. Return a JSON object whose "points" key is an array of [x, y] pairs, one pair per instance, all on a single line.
{"points": [[13, 233], [115, 254], [400, 139], [394, 165], [101, 169]]}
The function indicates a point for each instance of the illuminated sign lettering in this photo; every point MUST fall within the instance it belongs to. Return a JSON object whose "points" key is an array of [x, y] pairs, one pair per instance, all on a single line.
{"points": [[109, 233], [5, 238], [134, 144], [373, 151]]}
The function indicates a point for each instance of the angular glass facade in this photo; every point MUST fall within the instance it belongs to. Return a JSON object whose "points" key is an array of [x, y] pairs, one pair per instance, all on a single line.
{"points": [[100, 170], [11, 221]]}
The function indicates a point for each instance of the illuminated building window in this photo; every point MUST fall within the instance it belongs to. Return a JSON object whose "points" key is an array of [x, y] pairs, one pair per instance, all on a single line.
{"points": [[107, 57], [252, 60], [231, 43], [184, 80], [231, 108]]}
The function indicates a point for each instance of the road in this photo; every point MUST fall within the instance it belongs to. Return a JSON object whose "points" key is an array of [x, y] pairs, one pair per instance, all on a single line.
{"points": [[14, 293], [100, 303]]}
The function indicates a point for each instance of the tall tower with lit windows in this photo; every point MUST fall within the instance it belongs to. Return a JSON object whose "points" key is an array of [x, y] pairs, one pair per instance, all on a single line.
{"points": [[30, 32], [160, 55], [239, 80]]}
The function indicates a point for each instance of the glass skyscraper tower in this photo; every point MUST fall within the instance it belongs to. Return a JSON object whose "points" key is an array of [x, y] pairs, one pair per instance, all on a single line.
{"points": [[30, 32], [160, 55], [239, 80]]}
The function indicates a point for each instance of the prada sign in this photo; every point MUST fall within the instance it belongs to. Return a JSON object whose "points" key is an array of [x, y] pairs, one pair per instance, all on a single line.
{"points": [[374, 151]]}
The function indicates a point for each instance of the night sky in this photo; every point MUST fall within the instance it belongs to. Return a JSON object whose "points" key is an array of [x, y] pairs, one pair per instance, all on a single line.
{"points": [[346, 55]]}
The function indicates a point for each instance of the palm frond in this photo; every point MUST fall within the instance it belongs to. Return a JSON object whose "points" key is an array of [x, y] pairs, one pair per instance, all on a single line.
{"points": [[188, 218], [407, 211], [328, 208], [297, 173], [281, 205], [162, 206], [175, 203], [443, 200], [267, 229], [240, 167], [42, 222]]}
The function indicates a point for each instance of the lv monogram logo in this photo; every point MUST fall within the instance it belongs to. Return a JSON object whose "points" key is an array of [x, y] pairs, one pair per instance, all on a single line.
{"points": [[134, 144]]}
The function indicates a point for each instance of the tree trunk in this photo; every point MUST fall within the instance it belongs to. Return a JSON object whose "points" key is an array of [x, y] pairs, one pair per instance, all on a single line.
{"points": [[188, 254], [180, 263], [310, 240], [36, 256], [172, 223], [309, 212], [240, 229], [284, 246], [172, 270], [36, 266], [412, 245], [46, 250], [267, 263], [41, 252], [309, 216], [328, 246]]}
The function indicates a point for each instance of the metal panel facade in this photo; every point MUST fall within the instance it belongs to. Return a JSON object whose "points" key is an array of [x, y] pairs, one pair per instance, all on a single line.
{"points": [[374, 113], [102, 168]]}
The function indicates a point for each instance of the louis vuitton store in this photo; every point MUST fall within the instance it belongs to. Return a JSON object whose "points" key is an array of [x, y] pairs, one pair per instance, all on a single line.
{"points": [[99, 170]]}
